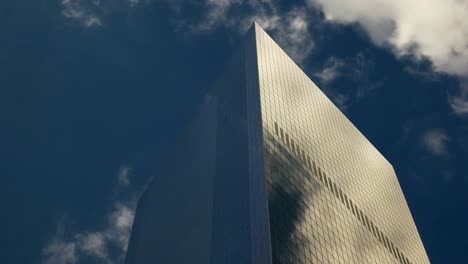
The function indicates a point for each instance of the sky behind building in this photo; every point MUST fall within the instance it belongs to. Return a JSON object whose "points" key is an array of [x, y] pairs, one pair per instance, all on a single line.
{"points": [[93, 93]]}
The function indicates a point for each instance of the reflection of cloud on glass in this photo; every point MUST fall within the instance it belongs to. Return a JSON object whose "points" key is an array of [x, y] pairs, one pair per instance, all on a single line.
{"points": [[284, 209], [296, 201], [293, 105]]}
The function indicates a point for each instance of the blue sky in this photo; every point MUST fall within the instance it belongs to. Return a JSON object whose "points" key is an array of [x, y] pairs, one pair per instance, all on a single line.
{"points": [[94, 92]]}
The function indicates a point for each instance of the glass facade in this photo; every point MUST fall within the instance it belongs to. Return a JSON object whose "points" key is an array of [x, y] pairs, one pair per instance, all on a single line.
{"points": [[333, 198], [270, 171]]}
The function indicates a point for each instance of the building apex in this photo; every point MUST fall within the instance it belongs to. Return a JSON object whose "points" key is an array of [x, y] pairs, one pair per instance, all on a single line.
{"points": [[255, 24]]}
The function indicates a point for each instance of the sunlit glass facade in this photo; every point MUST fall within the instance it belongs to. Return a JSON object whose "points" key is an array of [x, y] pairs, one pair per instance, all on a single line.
{"points": [[270, 171], [333, 198]]}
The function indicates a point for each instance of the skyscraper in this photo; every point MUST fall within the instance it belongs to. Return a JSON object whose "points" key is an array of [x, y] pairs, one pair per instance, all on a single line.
{"points": [[270, 171]]}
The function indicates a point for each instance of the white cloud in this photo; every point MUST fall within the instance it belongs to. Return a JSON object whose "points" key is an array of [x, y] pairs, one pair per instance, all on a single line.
{"points": [[107, 244], [433, 28], [83, 12], [435, 141]]}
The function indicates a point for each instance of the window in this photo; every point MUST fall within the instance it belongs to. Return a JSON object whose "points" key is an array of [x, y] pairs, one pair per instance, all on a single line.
{"points": [[301, 155], [393, 248], [326, 179], [387, 244], [399, 255], [360, 216], [341, 196], [335, 191], [379, 235], [347, 201], [366, 221], [374, 230], [405, 260]]}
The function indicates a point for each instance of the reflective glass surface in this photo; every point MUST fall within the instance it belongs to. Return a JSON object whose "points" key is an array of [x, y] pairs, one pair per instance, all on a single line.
{"points": [[333, 198]]}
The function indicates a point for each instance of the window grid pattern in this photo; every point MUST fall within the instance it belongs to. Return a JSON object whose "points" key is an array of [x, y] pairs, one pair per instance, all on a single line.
{"points": [[311, 168], [357, 213]]}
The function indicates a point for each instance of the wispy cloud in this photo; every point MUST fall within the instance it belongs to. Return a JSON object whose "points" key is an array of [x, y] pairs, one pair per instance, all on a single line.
{"points": [[331, 70], [133, 3], [459, 101], [289, 27], [435, 141], [216, 14], [93, 244], [93, 13], [123, 176], [357, 69], [459, 104], [83, 12], [107, 244], [58, 251], [292, 33], [121, 220]]}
